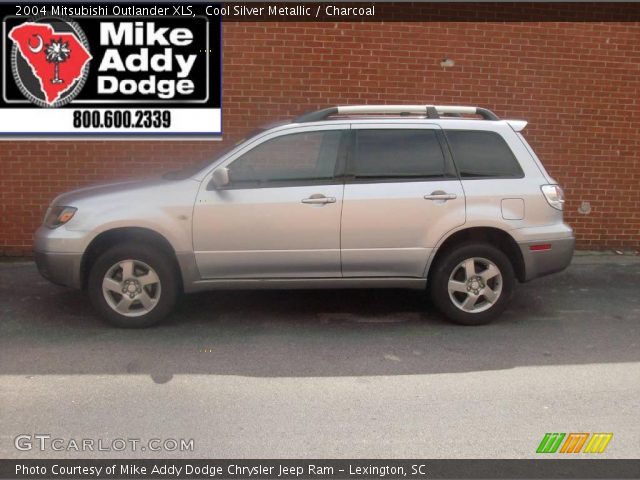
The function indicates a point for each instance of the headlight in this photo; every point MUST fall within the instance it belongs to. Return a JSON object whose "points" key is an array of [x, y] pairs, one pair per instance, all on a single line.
{"points": [[58, 215], [554, 196]]}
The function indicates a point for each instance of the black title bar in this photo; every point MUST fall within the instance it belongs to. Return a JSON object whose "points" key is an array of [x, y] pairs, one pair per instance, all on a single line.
{"points": [[354, 11]]}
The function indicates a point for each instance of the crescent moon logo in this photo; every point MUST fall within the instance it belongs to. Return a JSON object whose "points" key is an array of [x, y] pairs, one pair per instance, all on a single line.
{"points": [[38, 47]]}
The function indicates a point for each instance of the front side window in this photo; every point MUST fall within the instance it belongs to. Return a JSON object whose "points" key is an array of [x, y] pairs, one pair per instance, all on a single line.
{"points": [[294, 158], [397, 154], [480, 154]]}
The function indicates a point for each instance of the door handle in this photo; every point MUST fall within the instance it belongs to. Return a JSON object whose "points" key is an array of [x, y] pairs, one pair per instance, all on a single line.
{"points": [[440, 195], [319, 199]]}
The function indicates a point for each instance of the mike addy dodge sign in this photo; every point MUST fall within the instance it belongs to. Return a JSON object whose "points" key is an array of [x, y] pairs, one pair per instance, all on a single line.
{"points": [[110, 75]]}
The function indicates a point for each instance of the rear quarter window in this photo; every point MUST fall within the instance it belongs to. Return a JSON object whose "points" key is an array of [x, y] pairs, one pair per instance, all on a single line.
{"points": [[479, 154]]}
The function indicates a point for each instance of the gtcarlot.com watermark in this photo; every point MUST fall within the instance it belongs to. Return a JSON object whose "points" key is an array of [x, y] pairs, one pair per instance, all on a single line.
{"points": [[42, 442]]}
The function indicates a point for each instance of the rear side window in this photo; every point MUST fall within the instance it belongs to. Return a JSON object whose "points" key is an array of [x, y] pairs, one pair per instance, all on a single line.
{"points": [[390, 153], [482, 154]]}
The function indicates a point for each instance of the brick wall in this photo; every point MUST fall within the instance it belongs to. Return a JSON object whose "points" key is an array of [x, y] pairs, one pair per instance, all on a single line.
{"points": [[576, 83]]}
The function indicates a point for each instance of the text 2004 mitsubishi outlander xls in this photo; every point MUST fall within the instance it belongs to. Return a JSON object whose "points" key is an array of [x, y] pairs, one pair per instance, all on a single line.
{"points": [[451, 199]]}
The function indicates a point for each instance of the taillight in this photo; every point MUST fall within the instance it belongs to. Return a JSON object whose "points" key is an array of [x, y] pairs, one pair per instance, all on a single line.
{"points": [[554, 195]]}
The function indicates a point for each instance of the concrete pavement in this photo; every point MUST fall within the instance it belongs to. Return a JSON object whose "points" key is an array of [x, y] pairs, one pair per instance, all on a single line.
{"points": [[326, 373]]}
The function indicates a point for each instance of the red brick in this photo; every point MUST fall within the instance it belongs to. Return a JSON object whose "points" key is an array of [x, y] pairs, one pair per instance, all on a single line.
{"points": [[576, 83]]}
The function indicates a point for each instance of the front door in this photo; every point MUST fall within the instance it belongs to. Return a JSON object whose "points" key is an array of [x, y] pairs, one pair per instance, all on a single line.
{"points": [[401, 196], [280, 215]]}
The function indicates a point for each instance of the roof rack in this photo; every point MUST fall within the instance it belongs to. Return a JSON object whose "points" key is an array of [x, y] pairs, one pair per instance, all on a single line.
{"points": [[431, 111]]}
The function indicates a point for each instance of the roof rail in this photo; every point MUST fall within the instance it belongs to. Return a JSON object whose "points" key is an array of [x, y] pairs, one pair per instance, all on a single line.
{"points": [[431, 111]]}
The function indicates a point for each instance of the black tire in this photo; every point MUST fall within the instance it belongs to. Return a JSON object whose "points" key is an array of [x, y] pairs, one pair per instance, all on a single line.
{"points": [[166, 289], [449, 265]]}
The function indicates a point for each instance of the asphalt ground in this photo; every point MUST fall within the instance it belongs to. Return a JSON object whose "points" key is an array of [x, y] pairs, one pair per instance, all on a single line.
{"points": [[324, 374]]}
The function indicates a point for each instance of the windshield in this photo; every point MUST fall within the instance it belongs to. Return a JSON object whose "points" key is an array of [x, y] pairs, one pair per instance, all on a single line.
{"points": [[191, 170]]}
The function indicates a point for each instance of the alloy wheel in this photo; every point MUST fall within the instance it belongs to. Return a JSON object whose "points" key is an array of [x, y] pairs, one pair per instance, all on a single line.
{"points": [[475, 285], [131, 288]]}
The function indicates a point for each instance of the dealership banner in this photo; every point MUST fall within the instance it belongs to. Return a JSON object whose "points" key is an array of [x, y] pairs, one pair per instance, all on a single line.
{"points": [[104, 70]]}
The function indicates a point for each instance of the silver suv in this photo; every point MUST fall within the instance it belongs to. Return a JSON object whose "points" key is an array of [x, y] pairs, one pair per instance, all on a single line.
{"points": [[451, 199]]}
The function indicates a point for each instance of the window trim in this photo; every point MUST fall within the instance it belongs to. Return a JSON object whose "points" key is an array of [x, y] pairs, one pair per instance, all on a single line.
{"points": [[492, 177], [450, 172]]}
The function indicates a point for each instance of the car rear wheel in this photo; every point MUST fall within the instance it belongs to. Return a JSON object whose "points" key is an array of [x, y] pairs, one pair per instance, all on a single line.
{"points": [[133, 287], [472, 283]]}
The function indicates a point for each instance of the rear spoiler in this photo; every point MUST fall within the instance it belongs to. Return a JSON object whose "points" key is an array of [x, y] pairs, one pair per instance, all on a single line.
{"points": [[517, 125]]}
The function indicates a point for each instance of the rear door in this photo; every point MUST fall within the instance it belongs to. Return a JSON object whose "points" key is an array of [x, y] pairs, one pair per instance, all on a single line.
{"points": [[401, 196]]}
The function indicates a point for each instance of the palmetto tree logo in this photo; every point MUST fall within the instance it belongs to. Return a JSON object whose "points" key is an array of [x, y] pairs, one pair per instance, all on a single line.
{"points": [[50, 60], [57, 52]]}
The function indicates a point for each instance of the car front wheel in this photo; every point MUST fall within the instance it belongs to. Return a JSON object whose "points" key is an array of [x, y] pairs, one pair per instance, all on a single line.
{"points": [[133, 287], [472, 283]]}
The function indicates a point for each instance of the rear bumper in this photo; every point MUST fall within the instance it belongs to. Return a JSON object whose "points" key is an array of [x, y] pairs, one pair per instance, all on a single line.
{"points": [[60, 268], [538, 263]]}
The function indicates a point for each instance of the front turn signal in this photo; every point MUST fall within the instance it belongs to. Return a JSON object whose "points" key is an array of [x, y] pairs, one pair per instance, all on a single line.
{"points": [[58, 215]]}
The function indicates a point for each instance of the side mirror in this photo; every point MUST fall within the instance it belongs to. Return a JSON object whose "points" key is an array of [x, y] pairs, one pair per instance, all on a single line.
{"points": [[220, 177]]}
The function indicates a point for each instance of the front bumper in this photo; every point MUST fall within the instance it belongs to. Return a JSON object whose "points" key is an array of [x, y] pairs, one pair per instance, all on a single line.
{"points": [[60, 268], [538, 263], [58, 255]]}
